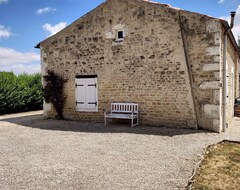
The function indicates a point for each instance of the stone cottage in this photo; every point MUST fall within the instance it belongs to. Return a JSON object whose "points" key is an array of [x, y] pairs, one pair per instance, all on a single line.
{"points": [[172, 62]]}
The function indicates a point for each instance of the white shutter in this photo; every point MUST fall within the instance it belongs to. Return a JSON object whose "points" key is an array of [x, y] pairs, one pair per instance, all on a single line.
{"points": [[80, 94], [86, 94], [91, 101]]}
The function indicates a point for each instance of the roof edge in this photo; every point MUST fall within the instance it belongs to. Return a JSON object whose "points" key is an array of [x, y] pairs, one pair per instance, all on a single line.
{"points": [[224, 23], [39, 44], [230, 35]]}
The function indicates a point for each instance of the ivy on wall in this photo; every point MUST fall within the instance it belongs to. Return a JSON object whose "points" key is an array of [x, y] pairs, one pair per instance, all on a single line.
{"points": [[53, 92]]}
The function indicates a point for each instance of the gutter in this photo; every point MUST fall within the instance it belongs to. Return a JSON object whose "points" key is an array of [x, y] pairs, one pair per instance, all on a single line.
{"points": [[37, 46], [226, 34], [230, 35]]}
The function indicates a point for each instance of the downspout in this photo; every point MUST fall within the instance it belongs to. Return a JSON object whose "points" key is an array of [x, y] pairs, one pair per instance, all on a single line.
{"points": [[225, 70]]}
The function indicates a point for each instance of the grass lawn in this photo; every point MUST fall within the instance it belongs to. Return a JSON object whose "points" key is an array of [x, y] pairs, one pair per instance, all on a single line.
{"points": [[220, 168]]}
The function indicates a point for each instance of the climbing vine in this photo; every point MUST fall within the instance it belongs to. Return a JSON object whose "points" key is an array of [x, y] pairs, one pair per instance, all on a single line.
{"points": [[53, 92]]}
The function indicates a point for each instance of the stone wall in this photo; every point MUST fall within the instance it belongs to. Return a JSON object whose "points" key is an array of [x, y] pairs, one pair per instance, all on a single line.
{"points": [[203, 39], [169, 62], [232, 80]]}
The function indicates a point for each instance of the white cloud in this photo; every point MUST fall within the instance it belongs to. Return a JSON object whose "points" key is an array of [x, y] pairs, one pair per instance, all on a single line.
{"points": [[18, 62], [236, 28], [220, 1], [4, 32], [3, 1], [10, 56], [21, 68], [53, 29], [227, 18], [46, 10]]}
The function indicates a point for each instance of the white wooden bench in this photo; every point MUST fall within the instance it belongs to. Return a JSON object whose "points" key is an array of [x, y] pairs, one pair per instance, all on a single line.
{"points": [[122, 111]]}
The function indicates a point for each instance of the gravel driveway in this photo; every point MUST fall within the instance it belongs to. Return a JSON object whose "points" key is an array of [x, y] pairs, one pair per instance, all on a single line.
{"points": [[49, 154]]}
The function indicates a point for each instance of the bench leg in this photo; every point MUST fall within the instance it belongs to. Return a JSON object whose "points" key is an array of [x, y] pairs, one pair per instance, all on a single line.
{"points": [[105, 121], [134, 124]]}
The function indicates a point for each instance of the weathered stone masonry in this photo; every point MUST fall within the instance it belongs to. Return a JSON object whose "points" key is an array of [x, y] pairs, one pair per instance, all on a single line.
{"points": [[203, 36], [169, 62]]}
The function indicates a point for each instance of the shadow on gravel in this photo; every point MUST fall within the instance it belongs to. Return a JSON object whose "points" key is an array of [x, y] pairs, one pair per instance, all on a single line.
{"points": [[37, 121]]}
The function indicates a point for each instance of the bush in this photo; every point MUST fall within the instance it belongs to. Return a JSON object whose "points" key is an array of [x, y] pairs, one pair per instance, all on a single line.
{"points": [[20, 93]]}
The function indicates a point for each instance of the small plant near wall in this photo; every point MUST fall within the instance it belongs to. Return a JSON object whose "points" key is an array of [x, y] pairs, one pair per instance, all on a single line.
{"points": [[53, 92]]}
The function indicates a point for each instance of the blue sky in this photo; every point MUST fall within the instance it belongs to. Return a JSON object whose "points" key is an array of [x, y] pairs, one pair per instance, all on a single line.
{"points": [[24, 23]]}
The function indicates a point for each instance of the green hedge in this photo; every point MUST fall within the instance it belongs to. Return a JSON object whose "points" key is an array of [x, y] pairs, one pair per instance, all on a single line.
{"points": [[20, 93]]}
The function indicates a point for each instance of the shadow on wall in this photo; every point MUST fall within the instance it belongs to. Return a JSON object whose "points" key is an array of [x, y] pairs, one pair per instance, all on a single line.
{"points": [[38, 121]]}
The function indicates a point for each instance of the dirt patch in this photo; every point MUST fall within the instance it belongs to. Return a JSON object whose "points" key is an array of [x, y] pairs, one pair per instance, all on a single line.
{"points": [[220, 168]]}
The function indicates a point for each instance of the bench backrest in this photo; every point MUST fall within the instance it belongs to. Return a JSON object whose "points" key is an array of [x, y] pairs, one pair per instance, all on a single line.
{"points": [[124, 108]]}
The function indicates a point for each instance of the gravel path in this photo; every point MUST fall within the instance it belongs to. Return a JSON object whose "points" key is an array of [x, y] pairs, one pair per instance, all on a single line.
{"points": [[64, 155]]}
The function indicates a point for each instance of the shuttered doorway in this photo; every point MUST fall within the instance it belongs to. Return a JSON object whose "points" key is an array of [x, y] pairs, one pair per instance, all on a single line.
{"points": [[86, 93]]}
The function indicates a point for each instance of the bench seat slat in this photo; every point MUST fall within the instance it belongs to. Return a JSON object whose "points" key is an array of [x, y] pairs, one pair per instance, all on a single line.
{"points": [[126, 116]]}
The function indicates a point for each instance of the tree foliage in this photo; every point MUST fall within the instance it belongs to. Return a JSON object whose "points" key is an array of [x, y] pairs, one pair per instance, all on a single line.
{"points": [[53, 92], [19, 93]]}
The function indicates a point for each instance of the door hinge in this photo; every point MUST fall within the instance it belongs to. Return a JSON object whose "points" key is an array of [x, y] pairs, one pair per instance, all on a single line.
{"points": [[79, 102], [76, 85], [93, 85], [93, 103]]}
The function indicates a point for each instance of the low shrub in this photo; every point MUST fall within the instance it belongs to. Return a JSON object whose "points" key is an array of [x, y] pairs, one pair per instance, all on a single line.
{"points": [[20, 93]]}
